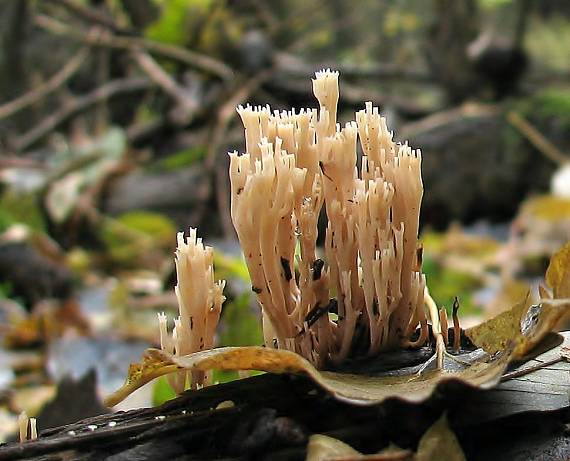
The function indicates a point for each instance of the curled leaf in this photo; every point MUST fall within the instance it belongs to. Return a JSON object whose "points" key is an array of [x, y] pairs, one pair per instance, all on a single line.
{"points": [[152, 366], [356, 389], [525, 325]]}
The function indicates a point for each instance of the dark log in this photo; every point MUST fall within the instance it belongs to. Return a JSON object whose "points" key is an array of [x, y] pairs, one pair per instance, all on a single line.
{"points": [[469, 169], [272, 416], [175, 193]]}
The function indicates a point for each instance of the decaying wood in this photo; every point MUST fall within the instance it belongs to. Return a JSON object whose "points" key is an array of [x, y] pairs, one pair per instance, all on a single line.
{"points": [[272, 416]]}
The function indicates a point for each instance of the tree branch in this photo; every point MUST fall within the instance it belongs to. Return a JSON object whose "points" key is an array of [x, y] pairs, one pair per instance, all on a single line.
{"points": [[170, 86], [87, 14], [56, 81], [190, 58], [536, 138], [102, 93]]}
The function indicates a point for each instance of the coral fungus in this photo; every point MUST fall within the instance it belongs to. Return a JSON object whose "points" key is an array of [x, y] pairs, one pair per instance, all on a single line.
{"points": [[294, 163]]}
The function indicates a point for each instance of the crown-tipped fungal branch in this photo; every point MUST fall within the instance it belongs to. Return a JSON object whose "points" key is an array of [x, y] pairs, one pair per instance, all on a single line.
{"points": [[296, 162]]}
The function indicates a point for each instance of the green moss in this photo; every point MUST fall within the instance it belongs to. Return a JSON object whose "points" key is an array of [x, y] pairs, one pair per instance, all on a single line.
{"points": [[20, 208], [553, 103], [181, 159], [162, 391], [241, 326], [133, 235], [445, 284]]}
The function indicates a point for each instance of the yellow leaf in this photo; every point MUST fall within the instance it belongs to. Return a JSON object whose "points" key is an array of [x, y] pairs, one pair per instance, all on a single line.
{"points": [[439, 443], [524, 326], [558, 272]]}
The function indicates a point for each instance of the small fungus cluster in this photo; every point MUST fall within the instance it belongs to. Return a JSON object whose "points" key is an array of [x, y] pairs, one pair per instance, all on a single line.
{"points": [[365, 294], [200, 304]]}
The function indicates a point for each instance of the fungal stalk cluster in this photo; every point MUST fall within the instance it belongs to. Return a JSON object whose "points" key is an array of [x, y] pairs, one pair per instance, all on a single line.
{"points": [[200, 301], [367, 293]]}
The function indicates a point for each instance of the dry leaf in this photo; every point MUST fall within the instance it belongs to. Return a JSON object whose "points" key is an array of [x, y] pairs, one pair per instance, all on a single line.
{"points": [[322, 448], [558, 272], [524, 325], [355, 389], [439, 443], [527, 324], [325, 448]]}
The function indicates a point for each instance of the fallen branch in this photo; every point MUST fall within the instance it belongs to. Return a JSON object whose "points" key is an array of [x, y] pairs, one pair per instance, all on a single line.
{"points": [[190, 58], [162, 79], [87, 14], [39, 92], [78, 104], [536, 138]]}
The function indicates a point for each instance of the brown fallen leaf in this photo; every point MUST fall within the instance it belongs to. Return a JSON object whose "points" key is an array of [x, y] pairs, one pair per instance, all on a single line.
{"points": [[323, 447], [355, 389]]}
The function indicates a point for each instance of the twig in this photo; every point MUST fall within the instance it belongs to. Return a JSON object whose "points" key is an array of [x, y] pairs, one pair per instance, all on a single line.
{"points": [[55, 82], [80, 103], [536, 138], [456, 327], [87, 14], [218, 134], [159, 76], [190, 58], [563, 357]]}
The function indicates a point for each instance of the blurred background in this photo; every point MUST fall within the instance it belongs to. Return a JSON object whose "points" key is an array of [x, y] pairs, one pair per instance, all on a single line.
{"points": [[116, 117]]}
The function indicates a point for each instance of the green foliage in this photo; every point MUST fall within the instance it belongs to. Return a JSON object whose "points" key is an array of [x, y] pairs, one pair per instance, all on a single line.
{"points": [[545, 41], [493, 4], [171, 25], [445, 284], [133, 234], [242, 323], [228, 267], [553, 103], [208, 26], [183, 158], [20, 208], [5, 290], [162, 391], [154, 225], [241, 327]]}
